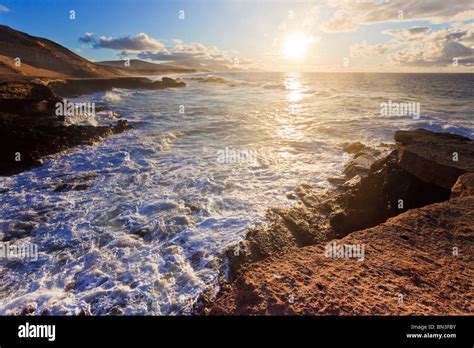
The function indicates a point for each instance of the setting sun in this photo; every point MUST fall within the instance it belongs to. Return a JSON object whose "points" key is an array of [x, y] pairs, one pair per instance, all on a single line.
{"points": [[296, 46]]}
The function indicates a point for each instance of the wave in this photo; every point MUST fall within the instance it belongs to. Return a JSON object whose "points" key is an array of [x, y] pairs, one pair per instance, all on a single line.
{"points": [[272, 85], [448, 128], [111, 97]]}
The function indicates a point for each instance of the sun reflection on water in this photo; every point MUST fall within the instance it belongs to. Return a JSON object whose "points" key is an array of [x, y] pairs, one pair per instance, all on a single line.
{"points": [[288, 129], [295, 88]]}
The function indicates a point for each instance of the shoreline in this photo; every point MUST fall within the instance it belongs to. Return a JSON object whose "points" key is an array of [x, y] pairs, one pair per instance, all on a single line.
{"points": [[30, 128], [395, 195]]}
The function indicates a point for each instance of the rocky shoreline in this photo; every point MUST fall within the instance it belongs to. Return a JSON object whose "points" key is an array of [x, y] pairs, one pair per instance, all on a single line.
{"points": [[410, 207], [30, 128], [75, 87]]}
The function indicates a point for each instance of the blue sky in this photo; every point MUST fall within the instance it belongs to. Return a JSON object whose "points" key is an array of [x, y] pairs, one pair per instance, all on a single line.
{"points": [[430, 34]]}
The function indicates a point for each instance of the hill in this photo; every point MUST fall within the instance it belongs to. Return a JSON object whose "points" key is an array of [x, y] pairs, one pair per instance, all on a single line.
{"points": [[40, 57]]}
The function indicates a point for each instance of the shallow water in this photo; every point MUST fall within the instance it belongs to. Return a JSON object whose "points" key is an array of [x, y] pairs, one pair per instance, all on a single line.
{"points": [[202, 164]]}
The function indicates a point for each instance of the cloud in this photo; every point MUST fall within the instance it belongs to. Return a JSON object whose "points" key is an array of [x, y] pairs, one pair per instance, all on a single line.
{"points": [[4, 9], [407, 34], [87, 38], [137, 43], [145, 47], [351, 14], [439, 48], [182, 51], [422, 47], [341, 21], [363, 49]]}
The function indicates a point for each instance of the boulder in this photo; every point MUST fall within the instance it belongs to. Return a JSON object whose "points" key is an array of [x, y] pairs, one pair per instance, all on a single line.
{"points": [[464, 186], [353, 147], [437, 158]]}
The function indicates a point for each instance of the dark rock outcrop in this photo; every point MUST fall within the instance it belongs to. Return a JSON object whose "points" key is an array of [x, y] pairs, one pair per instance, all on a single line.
{"points": [[29, 128]]}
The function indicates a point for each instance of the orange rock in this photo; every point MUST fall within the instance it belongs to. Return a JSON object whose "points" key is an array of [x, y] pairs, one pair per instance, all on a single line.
{"points": [[418, 263]]}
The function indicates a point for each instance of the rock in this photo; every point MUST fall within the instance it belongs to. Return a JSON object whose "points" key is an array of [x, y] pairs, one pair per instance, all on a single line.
{"points": [[353, 147], [464, 186], [337, 180], [74, 87], [29, 128], [29, 98], [437, 158], [121, 126], [168, 82], [361, 163], [409, 257], [210, 79], [76, 183]]}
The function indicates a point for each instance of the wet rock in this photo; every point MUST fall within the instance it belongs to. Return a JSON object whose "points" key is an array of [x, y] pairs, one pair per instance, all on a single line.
{"points": [[353, 147], [16, 230], [337, 180], [361, 163], [193, 207], [29, 128], [76, 183], [121, 126], [167, 82]]}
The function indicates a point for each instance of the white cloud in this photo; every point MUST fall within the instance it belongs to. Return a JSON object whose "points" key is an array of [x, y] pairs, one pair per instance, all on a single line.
{"points": [[350, 14], [4, 9], [421, 47], [182, 50], [439, 48], [407, 34], [363, 49], [146, 47], [137, 43], [87, 37], [341, 21]]}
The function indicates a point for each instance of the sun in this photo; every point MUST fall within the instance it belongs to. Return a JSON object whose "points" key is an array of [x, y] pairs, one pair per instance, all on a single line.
{"points": [[296, 46]]}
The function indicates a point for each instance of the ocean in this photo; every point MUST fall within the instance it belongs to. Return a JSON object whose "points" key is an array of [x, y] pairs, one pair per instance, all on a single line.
{"points": [[158, 205]]}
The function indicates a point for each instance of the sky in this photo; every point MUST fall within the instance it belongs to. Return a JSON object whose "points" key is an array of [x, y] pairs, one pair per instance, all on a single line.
{"points": [[276, 35]]}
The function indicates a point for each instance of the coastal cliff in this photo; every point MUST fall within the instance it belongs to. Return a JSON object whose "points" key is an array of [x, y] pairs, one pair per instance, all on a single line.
{"points": [[412, 263]]}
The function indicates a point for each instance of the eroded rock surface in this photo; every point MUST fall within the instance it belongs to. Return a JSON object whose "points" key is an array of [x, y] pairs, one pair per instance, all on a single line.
{"points": [[411, 267]]}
